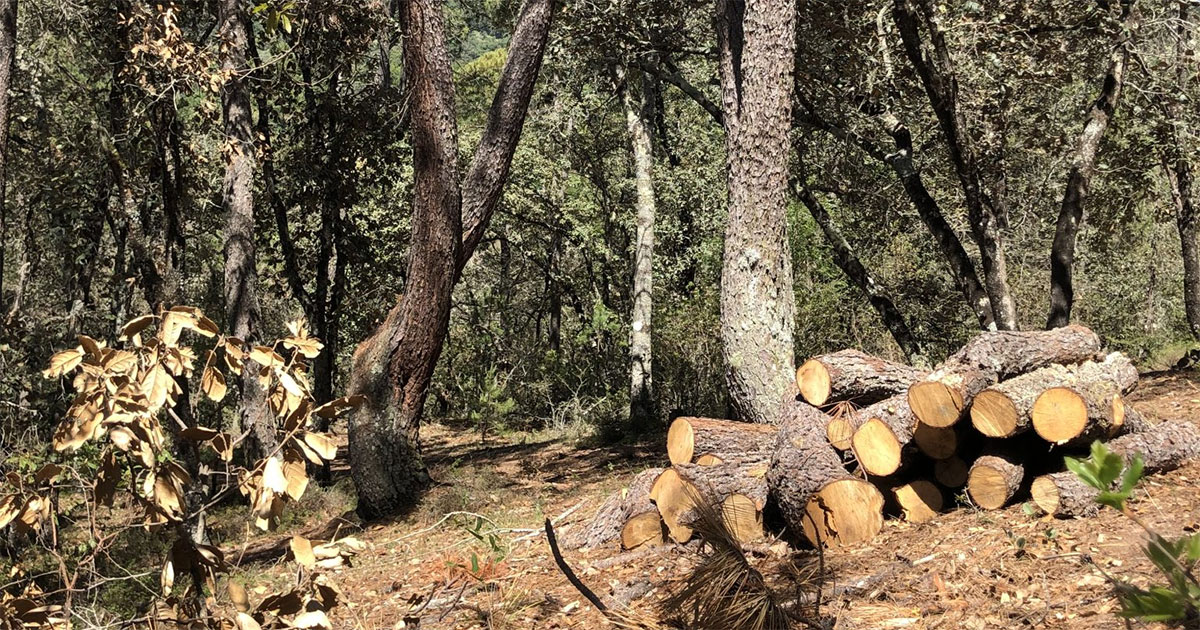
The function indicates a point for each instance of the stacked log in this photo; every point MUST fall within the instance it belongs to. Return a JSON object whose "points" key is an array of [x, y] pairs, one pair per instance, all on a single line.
{"points": [[942, 398], [1032, 397], [1162, 447], [815, 494], [852, 375]]}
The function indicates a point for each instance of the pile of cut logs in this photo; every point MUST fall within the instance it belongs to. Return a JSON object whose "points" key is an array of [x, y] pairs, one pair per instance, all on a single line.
{"points": [[860, 437]]}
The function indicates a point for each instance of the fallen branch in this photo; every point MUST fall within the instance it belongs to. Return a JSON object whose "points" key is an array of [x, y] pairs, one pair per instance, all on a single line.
{"points": [[271, 549]]}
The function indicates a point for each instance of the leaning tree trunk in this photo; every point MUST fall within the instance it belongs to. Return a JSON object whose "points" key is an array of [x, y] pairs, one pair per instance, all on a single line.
{"points": [[1083, 166], [641, 392], [241, 275], [846, 260], [393, 368], [8, 50], [940, 80], [756, 43]]}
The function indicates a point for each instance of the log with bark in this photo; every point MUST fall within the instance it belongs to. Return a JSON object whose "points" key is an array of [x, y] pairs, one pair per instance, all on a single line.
{"points": [[1088, 406], [627, 515], [691, 438], [936, 442], [808, 483], [853, 375], [844, 420], [994, 480], [1162, 447], [942, 397], [881, 443], [738, 491], [920, 500]]}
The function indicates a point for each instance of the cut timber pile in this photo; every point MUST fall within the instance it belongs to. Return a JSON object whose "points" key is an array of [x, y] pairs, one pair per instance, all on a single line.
{"points": [[1032, 398]]}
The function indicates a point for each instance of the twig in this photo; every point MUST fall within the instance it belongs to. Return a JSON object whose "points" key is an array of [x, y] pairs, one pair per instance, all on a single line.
{"points": [[566, 570], [537, 532]]}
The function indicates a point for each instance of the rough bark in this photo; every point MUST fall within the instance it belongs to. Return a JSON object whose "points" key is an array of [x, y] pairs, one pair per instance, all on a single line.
{"points": [[938, 76], [737, 491], [241, 274], [393, 368], [691, 438], [846, 260], [8, 55], [756, 48], [880, 443], [855, 376], [641, 391], [994, 480], [1163, 447], [815, 495], [616, 511], [1083, 167], [941, 399]]}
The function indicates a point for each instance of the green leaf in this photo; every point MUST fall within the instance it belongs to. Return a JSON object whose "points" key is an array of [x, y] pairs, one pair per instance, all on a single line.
{"points": [[1084, 472], [1133, 474], [1156, 604]]}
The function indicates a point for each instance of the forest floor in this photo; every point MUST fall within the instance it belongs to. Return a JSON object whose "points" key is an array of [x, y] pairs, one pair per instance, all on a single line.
{"points": [[441, 567]]}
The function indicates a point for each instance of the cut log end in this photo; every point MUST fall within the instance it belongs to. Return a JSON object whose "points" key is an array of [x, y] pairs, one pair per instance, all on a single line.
{"points": [[935, 404], [1045, 494], [681, 441], [840, 432], [643, 529], [877, 448], [742, 517], [674, 498], [951, 472], [812, 379], [993, 481], [1059, 415], [936, 442], [994, 415], [844, 512], [708, 459], [920, 500]]}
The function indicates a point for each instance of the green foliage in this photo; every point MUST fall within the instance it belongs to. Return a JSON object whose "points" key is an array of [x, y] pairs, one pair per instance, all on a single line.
{"points": [[1179, 599]]}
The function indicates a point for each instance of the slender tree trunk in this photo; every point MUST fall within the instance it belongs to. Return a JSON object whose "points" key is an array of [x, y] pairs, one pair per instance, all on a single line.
{"points": [[8, 57], [393, 368], [1178, 168], [637, 120], [241, 274], [846, 260], [1083, 166], [756, 42], [941, 85]]}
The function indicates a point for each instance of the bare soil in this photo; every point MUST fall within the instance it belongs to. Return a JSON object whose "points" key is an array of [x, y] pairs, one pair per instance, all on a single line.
{"points": [[472, 554]]}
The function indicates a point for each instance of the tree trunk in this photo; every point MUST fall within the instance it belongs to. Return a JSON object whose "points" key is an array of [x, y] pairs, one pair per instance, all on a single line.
{"points": [[941, 85], [1083, 166], [1180, 177], [241, 274], [8, 56], [394, 366], [756, 44], [846, 260], [637, 121]]}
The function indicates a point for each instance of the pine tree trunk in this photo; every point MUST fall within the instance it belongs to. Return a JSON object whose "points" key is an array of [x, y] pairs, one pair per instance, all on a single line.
{"points": [[641, 393], [1180, 175], [756, 44], [1083, 166], [241, 274]]}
